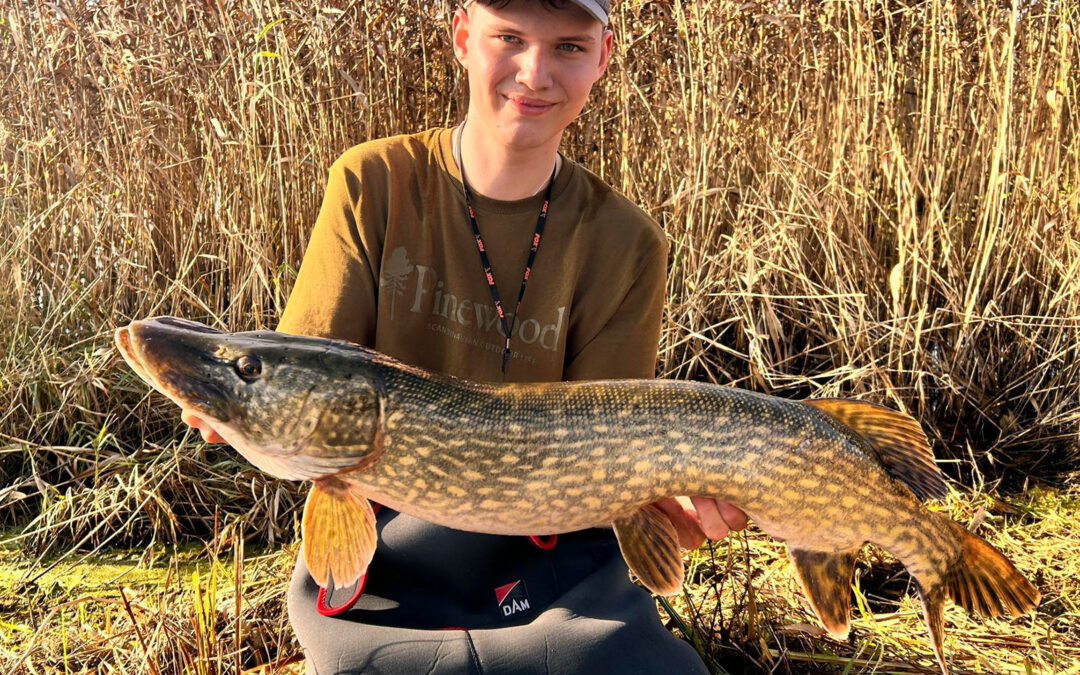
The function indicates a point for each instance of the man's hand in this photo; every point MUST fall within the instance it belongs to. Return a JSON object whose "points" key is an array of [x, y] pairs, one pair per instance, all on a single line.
{"points": [[696, 518], [208, 434]]}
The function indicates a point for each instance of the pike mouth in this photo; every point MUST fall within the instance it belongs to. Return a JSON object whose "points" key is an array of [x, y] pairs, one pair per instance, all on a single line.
{"points": [[163, 367], [122, 338]]}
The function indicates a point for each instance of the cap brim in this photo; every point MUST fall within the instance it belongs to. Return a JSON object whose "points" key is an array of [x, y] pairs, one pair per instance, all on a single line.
{"points": [[594, 8], [591, 6]]}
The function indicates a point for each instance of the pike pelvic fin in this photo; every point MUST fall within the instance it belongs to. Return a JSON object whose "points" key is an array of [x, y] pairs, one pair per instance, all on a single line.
{"points": [[896, 438], [826, 580], [650, 545], [338, 531]]}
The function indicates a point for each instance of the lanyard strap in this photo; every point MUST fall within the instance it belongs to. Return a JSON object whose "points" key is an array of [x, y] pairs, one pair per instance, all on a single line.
{"points": [[489, 275]]}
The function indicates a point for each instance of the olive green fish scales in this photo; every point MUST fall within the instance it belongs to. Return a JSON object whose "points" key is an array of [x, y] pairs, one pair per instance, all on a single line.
{"points": [[565, 456], [825, 476]]}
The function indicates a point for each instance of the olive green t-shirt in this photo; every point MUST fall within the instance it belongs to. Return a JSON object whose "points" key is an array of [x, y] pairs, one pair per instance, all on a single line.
{"points": [[392, 264]]}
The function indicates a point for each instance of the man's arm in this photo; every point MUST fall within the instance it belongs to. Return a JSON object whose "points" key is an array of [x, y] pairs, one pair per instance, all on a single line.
{"points": [[335, 291], [626, 345]]}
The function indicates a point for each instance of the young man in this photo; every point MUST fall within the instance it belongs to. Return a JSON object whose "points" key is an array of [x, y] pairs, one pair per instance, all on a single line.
{"points": [[420, 240]]}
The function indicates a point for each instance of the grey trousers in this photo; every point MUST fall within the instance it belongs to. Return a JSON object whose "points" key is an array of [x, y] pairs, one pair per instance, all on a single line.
{"points": [[592, 622]]}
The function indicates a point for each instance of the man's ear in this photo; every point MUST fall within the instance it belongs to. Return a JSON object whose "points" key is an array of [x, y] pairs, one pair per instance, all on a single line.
{"points": [[460, 32], [606, 42]]}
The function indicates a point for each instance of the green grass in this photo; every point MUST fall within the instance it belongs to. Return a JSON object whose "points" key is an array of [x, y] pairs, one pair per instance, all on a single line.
{"points": [[742, 608], [181, 609]]}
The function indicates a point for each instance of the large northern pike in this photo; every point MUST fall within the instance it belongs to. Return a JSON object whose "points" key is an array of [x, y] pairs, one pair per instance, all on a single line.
{"points": [[825, 476]]}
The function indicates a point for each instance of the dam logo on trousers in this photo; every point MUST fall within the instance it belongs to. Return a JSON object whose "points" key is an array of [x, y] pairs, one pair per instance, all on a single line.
{"points": [[512, 598]]}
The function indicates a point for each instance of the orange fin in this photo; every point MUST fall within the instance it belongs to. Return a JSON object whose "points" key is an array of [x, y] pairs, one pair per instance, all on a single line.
{"points": [[981, 580], [339, 533], [650, 545], [933, 604], [826, 580], [984, 582], [896, 438]]}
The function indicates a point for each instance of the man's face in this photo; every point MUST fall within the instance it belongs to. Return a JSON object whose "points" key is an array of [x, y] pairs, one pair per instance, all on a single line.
{"points": [[530, 68]]}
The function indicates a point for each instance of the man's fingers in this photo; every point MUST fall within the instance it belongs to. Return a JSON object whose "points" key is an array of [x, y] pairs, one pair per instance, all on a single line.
{"points": [[189, 418], [732, 515], [712, 522], [193, 420], [690, 534], [696, 518]]}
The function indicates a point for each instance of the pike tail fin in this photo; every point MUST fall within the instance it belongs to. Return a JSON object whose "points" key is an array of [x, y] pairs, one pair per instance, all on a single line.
{"points": [[984, 582], [338, 531], [981, 580], [933, 605]]}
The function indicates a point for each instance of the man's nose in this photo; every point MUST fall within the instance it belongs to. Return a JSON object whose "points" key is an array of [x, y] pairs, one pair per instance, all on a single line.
{"points": [[533, 69]]}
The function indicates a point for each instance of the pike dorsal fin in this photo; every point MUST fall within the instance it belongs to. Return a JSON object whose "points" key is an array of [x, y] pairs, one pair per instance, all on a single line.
{"points": [[826, 580], [650, 545], [897, 439], [339, 532]]}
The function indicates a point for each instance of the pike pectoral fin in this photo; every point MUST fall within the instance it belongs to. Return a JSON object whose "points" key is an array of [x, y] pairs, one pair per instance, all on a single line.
{"points": [[826, 579], [650, 545], [339, 532]]}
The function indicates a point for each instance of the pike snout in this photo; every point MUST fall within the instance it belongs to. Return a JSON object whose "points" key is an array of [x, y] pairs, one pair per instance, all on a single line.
{"points": [[182, 360]]}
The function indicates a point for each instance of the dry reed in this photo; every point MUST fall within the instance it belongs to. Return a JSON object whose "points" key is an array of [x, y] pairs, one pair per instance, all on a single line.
{"points": [[874, 198]]}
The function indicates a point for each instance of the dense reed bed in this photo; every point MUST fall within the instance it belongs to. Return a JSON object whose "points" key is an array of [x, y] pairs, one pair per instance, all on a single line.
{"points": [[873, 198]]}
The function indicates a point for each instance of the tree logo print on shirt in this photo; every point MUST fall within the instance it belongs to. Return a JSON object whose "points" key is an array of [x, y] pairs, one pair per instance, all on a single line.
{"points": [[393, 274], [475, 320]]}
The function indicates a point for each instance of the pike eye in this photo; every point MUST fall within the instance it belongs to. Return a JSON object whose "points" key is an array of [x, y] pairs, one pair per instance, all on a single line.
{"points": [[248, 367]]}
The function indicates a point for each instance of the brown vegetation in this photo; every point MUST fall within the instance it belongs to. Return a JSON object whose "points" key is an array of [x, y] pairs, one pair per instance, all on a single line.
{"points": [[875, 198]]}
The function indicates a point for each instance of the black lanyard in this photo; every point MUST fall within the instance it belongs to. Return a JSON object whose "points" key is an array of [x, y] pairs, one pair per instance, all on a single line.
{"points": [[486, 264]]}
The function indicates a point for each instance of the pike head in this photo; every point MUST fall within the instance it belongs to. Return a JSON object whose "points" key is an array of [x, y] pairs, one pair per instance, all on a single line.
{"points": [[297, 408]]}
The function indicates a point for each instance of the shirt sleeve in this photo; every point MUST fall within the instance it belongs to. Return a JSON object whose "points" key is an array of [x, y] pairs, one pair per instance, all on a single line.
{"points": [[335, 291], [626, 347]]}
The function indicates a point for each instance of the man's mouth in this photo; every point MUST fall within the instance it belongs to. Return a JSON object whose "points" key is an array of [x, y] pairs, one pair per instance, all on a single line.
{"points": [[529, 106]]}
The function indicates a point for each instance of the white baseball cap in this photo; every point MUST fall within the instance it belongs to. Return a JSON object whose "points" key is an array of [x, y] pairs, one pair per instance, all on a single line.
{"points": [[597, 8]]}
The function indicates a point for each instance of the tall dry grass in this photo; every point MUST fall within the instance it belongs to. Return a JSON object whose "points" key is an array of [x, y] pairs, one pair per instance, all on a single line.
{"points": [[869, 197]]}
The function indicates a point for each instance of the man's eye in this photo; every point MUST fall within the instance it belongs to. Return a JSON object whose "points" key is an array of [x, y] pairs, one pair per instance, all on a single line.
{"points": [[512, 39], [570, 48]]}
